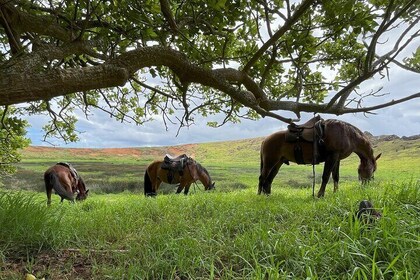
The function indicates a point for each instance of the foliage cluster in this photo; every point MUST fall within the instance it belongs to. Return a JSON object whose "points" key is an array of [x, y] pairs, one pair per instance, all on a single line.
{"points": [[186, 59], [12, 139]]}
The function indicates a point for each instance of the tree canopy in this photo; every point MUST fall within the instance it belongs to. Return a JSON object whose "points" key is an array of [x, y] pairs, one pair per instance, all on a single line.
{"points": [[181, 59], [12, 138]]}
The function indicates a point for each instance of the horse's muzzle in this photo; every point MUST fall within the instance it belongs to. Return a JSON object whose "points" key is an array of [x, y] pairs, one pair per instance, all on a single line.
{"points": [[365, 180], [211, 187]]}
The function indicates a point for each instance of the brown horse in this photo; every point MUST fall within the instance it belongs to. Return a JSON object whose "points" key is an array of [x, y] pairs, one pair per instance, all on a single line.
{"points": [[193, 171], [339, 140], [64, 179]]}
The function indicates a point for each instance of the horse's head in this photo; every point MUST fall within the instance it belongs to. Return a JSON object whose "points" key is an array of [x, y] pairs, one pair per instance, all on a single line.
{"points": [[210, 186], [82, 192], [366, 169], [204, 176]]}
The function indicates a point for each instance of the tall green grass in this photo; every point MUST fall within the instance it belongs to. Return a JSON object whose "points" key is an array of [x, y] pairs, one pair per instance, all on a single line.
{"points": [[216, 235], [27, 226]]}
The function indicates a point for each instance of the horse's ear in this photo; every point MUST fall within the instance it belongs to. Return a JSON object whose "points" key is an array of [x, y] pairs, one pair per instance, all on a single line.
{"points": [[378, 156]]}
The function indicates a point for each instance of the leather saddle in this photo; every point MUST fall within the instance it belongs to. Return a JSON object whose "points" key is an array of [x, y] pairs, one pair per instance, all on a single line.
{"points": [[312, 131], [174, 163], [305, 132], [73, 172]]}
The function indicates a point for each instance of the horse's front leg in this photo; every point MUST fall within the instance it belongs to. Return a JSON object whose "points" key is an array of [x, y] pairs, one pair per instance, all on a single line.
{"points": [[336, 175], [187, 189], [328, 167], [179, 189]]}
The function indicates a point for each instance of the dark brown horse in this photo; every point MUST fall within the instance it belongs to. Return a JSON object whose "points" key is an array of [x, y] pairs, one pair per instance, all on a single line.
{"points": [[65, 181], [193, 171], [339, 140]]}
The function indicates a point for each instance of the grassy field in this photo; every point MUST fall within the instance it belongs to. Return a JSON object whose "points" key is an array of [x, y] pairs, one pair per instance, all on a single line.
{"points": [[230, 233]]}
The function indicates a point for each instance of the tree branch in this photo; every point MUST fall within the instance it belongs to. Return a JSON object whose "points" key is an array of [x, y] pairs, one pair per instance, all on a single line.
{"points": [[383, 105], [64, 63], [303, 7]]}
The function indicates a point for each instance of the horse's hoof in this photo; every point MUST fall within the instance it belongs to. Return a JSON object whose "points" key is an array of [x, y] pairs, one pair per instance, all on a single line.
{"points": [[151, 194], [267, 193]]}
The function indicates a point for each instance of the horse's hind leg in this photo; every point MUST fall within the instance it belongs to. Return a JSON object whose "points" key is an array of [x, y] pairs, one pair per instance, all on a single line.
{"points": [[336, 175], [268, 173], [155, 187], [49, 190], [329, 166]]}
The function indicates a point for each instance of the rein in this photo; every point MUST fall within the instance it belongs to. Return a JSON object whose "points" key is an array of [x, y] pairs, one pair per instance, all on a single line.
{"points": [[195, 185], [194, 181], [313, 161], [313, 179], [315, 153]]}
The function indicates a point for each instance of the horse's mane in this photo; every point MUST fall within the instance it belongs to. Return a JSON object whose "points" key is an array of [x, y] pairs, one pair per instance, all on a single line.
{"points": [[357, 135], [201, 168], [81, 183]]}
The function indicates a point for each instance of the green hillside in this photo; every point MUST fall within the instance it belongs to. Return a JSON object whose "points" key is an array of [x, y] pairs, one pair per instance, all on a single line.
{"points": [[242, 151]]}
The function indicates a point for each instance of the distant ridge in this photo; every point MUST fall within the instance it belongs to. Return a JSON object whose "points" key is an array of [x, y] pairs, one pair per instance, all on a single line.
{"points": [[391, 137], [242, 150], [136, 150], [232, 147]]}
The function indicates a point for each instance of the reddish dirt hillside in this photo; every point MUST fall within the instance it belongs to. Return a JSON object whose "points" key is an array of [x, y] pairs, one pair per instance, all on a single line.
{"points": [[41, 151]]}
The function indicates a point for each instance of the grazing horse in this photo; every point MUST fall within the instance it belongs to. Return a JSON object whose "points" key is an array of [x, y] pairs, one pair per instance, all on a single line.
{"points": [[64, 179], [191, 172], [338, 140]]}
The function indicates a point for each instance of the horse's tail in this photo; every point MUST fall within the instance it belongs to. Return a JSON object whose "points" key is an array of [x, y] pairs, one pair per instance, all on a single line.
{"points": [[147, 184], [260, 178], [52, 181], [261, 158]]}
